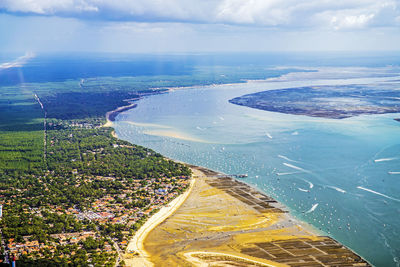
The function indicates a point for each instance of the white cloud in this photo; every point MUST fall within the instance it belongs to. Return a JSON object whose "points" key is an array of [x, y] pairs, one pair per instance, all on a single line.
{"points": [[337, 14], [270, 12], [54, 34], [357, 21], [49, 7]]}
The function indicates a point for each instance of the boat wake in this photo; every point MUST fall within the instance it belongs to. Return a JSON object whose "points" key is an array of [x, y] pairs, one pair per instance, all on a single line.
{"points": [[385, 159], [286, 173], [312, 208], [286, 158], [337, 189], [309, 183], [303, 190], [377, 193], [295, 167]]}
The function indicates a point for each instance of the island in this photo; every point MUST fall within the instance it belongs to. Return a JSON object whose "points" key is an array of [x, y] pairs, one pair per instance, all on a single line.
{"points": [[333, 101]]}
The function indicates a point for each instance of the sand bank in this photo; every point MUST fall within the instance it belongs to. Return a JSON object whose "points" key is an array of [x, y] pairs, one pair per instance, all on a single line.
{"points": [[227, 222], [174, 134], [152, 125]]}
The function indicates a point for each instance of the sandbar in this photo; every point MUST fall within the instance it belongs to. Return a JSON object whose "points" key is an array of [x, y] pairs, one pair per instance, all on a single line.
{"points": [[152, 125], [174, 134]]}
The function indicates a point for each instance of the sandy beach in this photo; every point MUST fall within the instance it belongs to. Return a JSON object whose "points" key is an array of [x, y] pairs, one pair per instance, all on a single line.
{"points": [[110, 116], [136, 243]]}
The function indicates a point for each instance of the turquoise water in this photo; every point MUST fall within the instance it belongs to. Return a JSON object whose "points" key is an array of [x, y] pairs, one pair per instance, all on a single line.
{"points": [[338, 175]]}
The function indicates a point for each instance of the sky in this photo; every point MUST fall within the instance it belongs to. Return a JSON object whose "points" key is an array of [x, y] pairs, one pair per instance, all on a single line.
{"points": [[181, 26]]}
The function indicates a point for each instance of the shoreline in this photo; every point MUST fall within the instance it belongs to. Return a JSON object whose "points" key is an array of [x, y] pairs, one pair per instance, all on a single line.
{"points": [[137, 242], [111, 115]]}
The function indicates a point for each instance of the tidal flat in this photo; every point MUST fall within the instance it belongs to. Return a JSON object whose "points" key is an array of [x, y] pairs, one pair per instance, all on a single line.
{"points": [[225, 221]]}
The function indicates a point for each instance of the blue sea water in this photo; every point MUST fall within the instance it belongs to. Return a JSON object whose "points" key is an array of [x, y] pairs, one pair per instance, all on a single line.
{"points": [[348, 167]]}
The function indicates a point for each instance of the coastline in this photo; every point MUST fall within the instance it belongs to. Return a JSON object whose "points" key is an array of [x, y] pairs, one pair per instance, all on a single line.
{"points": [[111, 115], [137, 242]]}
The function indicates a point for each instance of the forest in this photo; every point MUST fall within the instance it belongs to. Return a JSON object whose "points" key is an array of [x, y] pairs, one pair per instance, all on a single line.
{"points": [[63, 174]]}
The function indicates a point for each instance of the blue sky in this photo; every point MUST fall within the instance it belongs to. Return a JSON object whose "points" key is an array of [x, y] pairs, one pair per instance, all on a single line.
{"points": [[137, 26]]}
